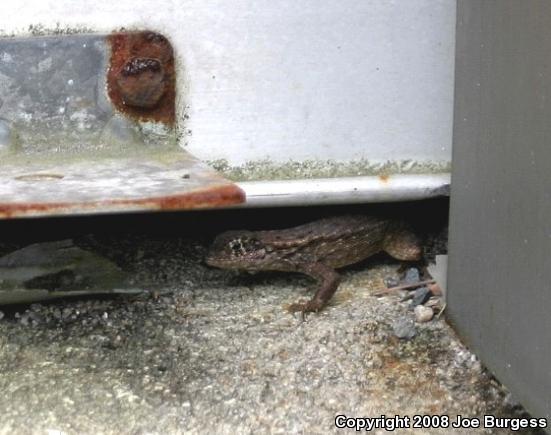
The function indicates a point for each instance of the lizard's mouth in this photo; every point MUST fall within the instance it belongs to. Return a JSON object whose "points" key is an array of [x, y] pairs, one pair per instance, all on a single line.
{"points": [[211, 261], [214, 261]]}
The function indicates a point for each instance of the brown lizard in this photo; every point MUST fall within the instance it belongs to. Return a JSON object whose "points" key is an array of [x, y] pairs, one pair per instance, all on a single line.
{"points": [[315, 249]]}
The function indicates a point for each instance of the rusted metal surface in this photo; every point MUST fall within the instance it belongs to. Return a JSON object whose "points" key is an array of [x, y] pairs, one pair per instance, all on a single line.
{"points": [[168, 181], [140, 79], [87, 126]]}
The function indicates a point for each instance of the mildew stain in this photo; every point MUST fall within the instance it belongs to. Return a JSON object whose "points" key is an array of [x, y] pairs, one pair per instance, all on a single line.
{"points": [[296, 170]]}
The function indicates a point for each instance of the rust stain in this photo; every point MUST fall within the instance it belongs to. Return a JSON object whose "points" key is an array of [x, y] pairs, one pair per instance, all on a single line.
{"points": [[384, 178], [209, 198], [141, 77], [38, 177]]}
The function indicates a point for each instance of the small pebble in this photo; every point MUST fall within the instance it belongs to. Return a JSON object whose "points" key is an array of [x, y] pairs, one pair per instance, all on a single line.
{"points": [[404, 295], [404, 328], [392, 282], [420, 296], [411, 276], [434, 302], [24, 319], [56, 313], [511, 401], [423, 314], [35, 318], [66, 313], [435, 289]]}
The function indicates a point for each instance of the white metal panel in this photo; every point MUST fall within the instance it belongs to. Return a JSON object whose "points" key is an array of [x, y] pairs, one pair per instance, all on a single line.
{"points": [[284, 79]]}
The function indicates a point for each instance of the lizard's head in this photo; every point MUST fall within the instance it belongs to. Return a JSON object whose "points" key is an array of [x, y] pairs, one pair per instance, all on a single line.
{"points": [[236, 250], [402, 244]]}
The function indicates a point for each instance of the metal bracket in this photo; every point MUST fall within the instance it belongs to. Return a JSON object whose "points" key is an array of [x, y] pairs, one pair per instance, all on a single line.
{"points": [[87, 125]]}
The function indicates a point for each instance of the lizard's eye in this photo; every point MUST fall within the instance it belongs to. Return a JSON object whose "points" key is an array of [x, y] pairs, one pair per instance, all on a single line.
{"points": [[236, 247]]}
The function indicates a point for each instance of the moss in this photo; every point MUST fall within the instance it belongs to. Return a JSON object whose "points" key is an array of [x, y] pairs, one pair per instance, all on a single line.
{"points": [[269, 170], [42, 30]]}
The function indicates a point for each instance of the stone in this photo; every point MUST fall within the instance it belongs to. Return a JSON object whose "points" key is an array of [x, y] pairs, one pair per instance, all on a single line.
{"points": [[411, 276], [420, 296], [423, 314], [404, 328], [392, 282]]}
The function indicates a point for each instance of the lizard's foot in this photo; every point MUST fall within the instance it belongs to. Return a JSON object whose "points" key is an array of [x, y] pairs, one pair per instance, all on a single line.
{"points": [[311, 306]]}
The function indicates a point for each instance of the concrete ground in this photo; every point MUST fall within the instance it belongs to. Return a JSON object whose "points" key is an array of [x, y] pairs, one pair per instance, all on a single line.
{"points": [[217, 352]]}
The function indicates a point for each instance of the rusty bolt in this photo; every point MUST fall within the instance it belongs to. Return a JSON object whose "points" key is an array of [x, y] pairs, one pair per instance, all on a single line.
{"points": [[141, 82]]}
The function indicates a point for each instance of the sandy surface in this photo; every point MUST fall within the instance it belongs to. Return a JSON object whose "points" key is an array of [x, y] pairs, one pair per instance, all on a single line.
{"points": [[219, 353]]}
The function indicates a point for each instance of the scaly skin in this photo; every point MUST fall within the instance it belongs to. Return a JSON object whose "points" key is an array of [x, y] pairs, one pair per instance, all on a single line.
{"points": [[315, 249]]}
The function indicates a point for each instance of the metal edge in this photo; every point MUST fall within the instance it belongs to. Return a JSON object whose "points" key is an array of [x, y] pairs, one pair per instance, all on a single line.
{"points": [[345, 190]]}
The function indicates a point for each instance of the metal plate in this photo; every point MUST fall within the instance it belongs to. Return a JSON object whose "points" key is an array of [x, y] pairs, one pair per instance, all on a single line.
{"points": [[500, 223], [56, 269], [164, 181], [87, 126]]}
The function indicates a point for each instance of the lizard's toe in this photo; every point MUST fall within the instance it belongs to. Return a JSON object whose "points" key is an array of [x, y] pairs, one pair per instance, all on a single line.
{"points": [[305, 307], [297, 307]]}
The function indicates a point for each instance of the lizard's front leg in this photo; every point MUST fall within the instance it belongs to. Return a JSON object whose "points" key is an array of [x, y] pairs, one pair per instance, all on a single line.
{"points": [[328, 280]]}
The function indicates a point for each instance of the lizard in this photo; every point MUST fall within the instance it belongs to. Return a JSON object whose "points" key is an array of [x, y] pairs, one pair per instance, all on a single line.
{"points": [[315, 249]]}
